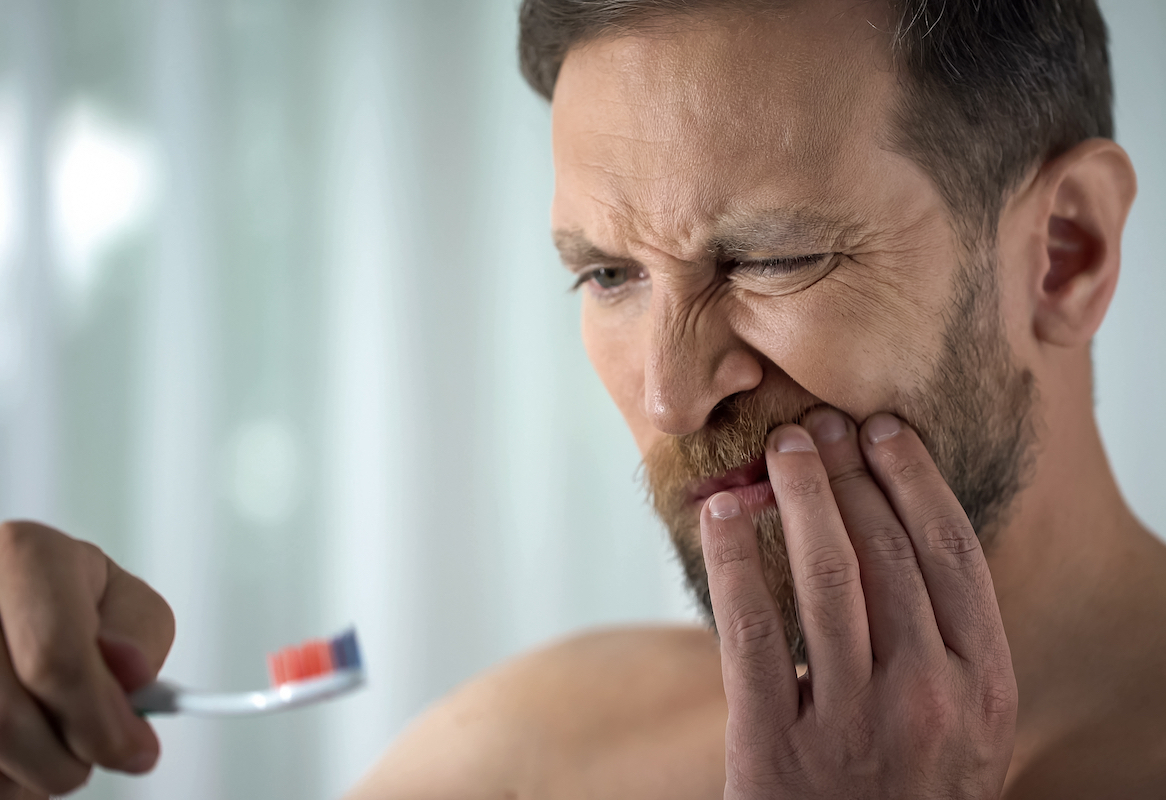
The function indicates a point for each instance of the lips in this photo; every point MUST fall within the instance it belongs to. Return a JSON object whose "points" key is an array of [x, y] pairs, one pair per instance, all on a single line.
{"points": [[750, 483]]}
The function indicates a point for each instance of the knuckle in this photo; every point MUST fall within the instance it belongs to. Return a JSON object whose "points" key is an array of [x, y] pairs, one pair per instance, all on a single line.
{"points": [[931, 710], [950, 538], [848, 474], [18, 539], [829, 570], [728, 556], [752, 632], [888, 543], [906, 468], [806, 486], [89, 551], [999, 700], [24, 542]]}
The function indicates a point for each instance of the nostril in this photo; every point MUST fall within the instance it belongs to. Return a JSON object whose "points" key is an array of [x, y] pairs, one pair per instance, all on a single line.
{"points": [[725, 410]]}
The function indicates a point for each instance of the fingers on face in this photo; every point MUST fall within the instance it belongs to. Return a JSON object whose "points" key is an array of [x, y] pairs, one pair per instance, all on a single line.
{"points": [[48, 604], [757, 666], [898, 608], [825, 568], [950, 558]]}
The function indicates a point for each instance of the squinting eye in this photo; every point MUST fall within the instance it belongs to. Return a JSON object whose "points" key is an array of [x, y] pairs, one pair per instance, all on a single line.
{"points": [[780, 266]]}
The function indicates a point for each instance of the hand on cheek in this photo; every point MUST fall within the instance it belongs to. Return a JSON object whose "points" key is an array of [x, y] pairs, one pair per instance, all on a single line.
{"points": [[912, 692]]}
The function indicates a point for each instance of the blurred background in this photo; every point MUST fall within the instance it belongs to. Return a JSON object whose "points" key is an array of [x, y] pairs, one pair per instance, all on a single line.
{"points": [[281, 330]]}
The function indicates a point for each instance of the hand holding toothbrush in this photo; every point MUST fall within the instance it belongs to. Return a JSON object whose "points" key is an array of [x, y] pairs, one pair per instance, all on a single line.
{"points": [[79, 632]]}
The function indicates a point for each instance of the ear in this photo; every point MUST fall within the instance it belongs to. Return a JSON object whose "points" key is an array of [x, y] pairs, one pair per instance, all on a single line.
{"points": [[1086, 195]]}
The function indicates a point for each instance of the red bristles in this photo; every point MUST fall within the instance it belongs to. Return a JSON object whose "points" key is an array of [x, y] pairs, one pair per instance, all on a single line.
{"points": [[276, 669], [310, 660]]}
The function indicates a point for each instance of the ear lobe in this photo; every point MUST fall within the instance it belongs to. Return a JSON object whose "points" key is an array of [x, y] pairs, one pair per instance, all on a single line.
{"points": [[1090, 190]]}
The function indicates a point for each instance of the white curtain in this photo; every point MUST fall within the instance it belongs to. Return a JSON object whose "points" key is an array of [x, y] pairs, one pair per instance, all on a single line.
{"points": [[281, 329]]}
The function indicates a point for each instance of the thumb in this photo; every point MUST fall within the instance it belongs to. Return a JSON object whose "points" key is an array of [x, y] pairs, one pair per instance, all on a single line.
{"points": [[128, 664]]}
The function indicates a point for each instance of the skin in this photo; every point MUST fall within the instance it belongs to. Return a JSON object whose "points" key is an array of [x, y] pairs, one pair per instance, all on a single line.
{"points": [[79, 632], [790, 114], [1032, 671]]}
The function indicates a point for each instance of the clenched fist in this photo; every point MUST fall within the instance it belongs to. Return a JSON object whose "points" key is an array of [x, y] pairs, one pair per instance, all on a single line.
{"points": [[79, 633]]}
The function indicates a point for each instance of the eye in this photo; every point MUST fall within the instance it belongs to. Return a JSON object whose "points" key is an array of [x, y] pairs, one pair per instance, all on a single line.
{"points": [[778, 266], [610, 277], [606, 278]]}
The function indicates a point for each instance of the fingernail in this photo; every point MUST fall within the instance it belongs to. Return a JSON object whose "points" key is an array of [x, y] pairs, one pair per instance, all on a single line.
{"points": [[142, 762], [793, 439], [724, 505], [881, 427], [826, 425]]}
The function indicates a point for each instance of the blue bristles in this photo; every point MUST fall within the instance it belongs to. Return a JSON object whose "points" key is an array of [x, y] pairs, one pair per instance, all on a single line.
{"points": [[345, 651]]}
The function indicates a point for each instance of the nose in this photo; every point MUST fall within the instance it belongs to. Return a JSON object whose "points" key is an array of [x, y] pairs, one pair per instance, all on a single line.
{"points": [[694, 361]]}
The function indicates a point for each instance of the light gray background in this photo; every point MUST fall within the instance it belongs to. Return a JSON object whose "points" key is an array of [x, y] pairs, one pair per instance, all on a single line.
{"points": [[308, 357]]}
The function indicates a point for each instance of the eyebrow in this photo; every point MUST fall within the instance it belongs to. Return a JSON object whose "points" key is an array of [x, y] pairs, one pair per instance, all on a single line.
{"points": [[576, 250], [779, 231], [733, 236]]}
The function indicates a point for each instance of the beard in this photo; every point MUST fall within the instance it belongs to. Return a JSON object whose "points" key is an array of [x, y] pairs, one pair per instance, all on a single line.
{"points": [[974, 414]]}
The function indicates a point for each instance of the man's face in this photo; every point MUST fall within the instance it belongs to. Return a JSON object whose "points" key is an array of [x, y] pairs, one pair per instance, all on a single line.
{"points": [[751, 247]]}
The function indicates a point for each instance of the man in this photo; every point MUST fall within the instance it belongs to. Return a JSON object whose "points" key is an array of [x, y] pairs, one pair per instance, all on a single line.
{"points": [[841, 265]]}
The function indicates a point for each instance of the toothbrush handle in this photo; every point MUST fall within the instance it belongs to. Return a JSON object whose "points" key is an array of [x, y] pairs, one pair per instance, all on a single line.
{"points": [[163, 697], [159, 697]]}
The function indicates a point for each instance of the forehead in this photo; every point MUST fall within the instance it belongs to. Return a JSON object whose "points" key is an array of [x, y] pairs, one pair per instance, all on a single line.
{"points": [[661, 131]]}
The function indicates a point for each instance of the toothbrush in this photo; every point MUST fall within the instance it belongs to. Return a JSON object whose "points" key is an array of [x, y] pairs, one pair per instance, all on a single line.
{"points": [[316, 670]]}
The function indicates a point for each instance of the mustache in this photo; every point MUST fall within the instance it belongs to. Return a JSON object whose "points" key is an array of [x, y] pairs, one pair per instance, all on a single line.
{"points": [[733, 435]]}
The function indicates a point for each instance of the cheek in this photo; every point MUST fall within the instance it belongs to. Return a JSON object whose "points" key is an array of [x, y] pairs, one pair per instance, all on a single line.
{"points": [[858, 344], [616, 343], [1022, 257]]}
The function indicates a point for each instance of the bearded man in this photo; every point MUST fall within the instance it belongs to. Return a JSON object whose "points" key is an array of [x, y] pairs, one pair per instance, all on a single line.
{"points": [[841, 266], [841, 263]]}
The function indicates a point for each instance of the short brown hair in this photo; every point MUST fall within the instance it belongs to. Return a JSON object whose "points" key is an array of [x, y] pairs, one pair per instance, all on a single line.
{"points": [[991, 88]]}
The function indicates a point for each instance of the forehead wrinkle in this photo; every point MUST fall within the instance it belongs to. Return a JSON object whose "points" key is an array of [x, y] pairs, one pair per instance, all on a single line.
{"points": [[641, 218], [628, 233]]}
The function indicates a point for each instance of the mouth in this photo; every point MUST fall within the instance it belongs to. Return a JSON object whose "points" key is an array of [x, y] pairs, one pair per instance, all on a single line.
{"points": [[750, 483]]}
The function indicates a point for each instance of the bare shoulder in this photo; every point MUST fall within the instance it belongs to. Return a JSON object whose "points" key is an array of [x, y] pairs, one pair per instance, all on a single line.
{"points": [[1117, 758], [598, 714]]}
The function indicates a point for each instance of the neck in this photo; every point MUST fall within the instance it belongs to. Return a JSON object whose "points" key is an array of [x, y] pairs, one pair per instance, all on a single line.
{"points": [[1073, 571]]}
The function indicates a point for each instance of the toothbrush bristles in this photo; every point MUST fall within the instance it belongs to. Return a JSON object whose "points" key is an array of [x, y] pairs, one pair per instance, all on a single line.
{"points": [[345, 650], [314, 658]]}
